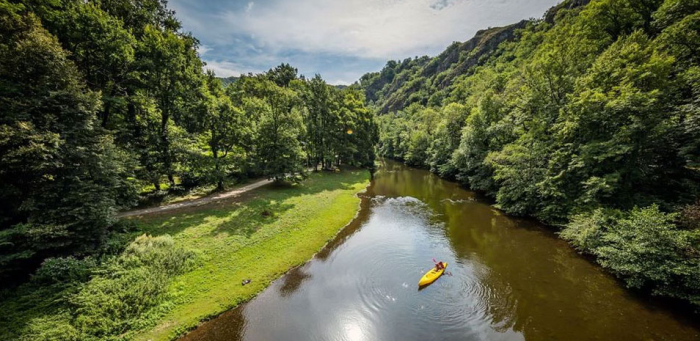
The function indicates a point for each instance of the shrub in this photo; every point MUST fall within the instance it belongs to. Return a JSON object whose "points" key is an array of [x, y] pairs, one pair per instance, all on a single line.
{"points": [[690, 216], [643, 247], [128, 289], [190, 180], [585, 231], [65, 270]]}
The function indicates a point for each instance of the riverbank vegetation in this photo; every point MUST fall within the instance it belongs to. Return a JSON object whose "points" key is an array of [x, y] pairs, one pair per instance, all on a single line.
{"points": [[587, 119], [104, 98], [184, 266]]}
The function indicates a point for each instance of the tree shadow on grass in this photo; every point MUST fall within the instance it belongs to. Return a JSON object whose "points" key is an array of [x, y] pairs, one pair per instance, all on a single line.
{"points": [[27, 304], [245, 214], [241, 215]]}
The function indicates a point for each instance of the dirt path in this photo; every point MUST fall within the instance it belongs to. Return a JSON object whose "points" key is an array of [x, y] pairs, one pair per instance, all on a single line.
{"points": [[201, 201]]}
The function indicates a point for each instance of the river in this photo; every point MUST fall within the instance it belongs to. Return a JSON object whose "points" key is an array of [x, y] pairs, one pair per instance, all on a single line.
{"points": [[511, 279]]}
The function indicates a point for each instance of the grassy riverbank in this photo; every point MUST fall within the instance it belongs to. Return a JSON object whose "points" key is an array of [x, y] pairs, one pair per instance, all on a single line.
{"points": [[258, 236]]}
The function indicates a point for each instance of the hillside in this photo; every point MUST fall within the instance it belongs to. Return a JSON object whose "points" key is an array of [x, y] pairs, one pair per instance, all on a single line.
{"points": [[427, 81], [226, 81]]}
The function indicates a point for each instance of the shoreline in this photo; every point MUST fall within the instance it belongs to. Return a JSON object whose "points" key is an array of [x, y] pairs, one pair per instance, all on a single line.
{"points": [[168, 329], [322, 249]]}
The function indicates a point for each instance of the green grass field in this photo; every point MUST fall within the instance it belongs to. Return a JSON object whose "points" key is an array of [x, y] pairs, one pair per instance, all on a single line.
{"points": [[259, 236]]}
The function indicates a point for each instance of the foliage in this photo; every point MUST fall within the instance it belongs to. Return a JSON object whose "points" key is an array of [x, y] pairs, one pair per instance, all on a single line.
{"points": [[163, 284], [643, 247], [103, 98], [62, 176], [129, 287], [65, 269], [690, 216], [592, 110], [279, 128], [71, 299]]}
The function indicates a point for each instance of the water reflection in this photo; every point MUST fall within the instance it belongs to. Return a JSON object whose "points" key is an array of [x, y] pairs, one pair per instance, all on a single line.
{"points": [[512, 279], [292, 280]]}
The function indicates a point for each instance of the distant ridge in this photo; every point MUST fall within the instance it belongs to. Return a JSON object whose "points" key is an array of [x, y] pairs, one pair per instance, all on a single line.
{"points": [[226, 81], [427, 80]]}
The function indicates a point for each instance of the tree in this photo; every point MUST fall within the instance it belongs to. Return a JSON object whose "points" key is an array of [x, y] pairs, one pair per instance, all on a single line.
{"points": [[317, 99], [101, 47], [61, 176], [223, 128], [446, 139], [171, 74], [278, 149], [359, 131], [282, 74], [643, 247]]}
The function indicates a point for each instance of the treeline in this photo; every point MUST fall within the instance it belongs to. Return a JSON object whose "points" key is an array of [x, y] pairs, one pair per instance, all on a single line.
{"points": [[589, 120], [101, 99], [427, 81]]}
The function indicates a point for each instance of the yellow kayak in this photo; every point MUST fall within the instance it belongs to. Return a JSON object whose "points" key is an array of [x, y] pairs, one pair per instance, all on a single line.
{"points": [[431, 276]]}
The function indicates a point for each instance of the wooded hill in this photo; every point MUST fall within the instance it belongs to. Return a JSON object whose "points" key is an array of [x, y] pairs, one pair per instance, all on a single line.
{"points": [[587, 119], [226, 81], [427, 81]]}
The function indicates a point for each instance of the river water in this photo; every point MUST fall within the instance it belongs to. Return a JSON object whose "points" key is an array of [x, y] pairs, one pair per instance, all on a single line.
{"points": [[511, 279]]}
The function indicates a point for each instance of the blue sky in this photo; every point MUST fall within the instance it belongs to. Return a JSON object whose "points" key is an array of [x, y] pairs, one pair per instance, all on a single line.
{"points": [[339, 39]]}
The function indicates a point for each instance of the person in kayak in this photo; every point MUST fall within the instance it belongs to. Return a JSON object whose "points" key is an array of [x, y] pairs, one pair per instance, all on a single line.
{"points": [[439, 266]]}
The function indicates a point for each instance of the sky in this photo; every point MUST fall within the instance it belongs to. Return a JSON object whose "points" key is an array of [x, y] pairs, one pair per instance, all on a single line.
{"points": [[339, 39]]}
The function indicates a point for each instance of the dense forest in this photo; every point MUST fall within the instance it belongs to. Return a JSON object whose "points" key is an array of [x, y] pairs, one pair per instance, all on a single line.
{"points": [[587, 119], [107, 101]]}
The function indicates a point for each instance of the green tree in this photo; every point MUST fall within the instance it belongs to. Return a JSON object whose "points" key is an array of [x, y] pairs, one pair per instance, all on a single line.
{"points": [[317, 99], [278, 149], [171, 74], [282, 74], [446, 139], [222, 127], [62, 177], [644, 248], [358, 130], [101, 47]]}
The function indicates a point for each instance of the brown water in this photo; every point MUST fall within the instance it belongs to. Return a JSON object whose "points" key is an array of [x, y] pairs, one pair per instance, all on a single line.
{"points": [[512, 279]]}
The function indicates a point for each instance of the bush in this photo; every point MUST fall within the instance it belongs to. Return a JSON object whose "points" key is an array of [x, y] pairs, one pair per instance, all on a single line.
{"points": [[65, 270], [130, 288], [690, 216], [110, 301], [643, 247], [585, 231], [189, 180]]}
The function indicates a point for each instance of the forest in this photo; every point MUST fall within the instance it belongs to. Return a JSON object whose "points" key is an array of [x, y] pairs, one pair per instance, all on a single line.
{"points": [[587, 119], [106, 103]]}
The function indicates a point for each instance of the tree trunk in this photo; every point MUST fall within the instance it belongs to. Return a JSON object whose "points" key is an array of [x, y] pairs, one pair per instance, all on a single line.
{"points": [[219, 179], [167, 160], [105, 114]]}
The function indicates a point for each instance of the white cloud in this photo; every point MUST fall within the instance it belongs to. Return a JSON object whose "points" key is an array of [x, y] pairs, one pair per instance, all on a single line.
{"points": [[373, 28], [224, 68], [339, 82], [203, 49], [340, 39]]}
